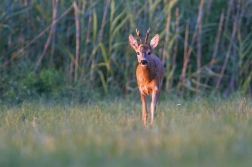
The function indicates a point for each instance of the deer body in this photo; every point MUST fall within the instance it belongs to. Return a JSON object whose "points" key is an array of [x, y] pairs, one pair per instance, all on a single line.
{"points": [[149, 73]]}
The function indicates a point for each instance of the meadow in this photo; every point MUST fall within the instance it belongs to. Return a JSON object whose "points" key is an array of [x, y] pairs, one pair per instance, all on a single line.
{"points": [[108, 132], [69, 47]]}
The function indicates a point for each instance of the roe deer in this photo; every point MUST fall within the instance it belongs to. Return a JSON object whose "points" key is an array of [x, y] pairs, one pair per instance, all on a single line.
{"points": [[149, 72]]}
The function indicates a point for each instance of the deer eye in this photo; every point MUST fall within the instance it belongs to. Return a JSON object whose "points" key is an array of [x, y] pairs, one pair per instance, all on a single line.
{"points": [[149, 53], [138, 53]]}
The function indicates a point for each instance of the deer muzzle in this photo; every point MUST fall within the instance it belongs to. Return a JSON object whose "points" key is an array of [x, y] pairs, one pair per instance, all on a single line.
{"points": [[144, 62]]}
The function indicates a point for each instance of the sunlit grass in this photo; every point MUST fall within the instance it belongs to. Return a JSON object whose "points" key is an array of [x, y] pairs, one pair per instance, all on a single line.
{"points": [[199, 132]]}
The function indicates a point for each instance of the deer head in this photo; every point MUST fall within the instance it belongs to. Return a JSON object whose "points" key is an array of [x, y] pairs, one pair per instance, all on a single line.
{"points": [[143, 50]]}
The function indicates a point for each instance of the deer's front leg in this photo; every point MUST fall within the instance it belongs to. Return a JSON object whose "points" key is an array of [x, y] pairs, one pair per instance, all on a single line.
{"points": [[144, 108], [154, 100]]}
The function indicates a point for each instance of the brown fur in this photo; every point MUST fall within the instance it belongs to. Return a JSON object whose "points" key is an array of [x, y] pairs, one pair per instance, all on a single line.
{"points": [[149, 75]]}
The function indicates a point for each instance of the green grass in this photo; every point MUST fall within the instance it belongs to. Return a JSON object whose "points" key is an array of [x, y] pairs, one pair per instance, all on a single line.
{"points": [[199, 132]]}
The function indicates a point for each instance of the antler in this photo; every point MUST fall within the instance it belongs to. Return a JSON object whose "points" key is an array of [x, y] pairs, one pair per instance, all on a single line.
{"points": [[138, 34], [147, 35]]}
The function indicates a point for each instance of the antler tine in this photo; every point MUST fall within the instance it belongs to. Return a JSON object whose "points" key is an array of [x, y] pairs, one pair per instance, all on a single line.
{"points": [[147, 35], [138, 34]]}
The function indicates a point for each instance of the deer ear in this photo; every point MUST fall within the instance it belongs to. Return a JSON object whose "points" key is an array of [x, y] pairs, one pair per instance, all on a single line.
{"points": [[154, 41], [133, 42]]}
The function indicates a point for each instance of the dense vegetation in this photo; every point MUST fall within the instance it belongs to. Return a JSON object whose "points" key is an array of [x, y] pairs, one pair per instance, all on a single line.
{"points": [[71, 48]]}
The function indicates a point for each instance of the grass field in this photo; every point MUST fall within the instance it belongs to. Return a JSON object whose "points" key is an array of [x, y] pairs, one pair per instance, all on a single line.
{"points": [[200, 132]]}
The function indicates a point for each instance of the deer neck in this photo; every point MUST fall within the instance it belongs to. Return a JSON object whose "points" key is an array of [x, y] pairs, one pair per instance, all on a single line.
{"points": [[145, 73]]}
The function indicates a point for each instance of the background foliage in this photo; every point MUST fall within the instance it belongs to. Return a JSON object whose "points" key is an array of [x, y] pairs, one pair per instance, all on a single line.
{"points": [[71, 48]]}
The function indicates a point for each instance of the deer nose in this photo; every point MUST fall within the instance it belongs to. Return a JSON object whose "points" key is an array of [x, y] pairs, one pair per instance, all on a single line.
{"points": [[144, 62]]}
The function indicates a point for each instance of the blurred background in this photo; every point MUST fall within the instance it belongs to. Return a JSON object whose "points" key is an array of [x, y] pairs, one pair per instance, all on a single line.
{"points": [[79, 49]]}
